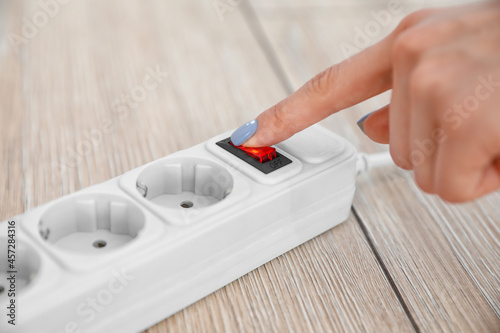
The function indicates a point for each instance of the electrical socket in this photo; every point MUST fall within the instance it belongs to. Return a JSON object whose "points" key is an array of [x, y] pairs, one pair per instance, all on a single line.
{"points": [[127, 253]]}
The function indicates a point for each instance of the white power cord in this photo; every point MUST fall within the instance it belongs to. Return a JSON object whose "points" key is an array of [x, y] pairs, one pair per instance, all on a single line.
{"points": [[366, 162]]}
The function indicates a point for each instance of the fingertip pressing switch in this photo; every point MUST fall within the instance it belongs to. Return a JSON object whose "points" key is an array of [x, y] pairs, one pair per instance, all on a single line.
{"points": [[266, 159]]}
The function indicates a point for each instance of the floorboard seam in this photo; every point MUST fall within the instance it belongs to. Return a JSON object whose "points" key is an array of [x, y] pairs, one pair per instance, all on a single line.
{"points": [[386, 271], [260, 36]]}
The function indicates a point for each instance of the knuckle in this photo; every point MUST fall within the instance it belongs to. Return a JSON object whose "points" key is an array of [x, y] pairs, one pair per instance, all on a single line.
{"points": [[398, 157], [278, 121], [415, 18], [448, 27], [408, 44], [427, 83], [453, 196], [414, 38], [424, 182], [450, 185], [321, 83]]}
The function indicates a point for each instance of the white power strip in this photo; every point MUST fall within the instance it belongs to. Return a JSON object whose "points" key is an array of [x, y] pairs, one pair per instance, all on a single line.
{"points": [[123, 255]]}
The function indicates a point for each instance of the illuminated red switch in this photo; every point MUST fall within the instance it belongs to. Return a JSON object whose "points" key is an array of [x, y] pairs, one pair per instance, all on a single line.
{"points": [[261, 154]]}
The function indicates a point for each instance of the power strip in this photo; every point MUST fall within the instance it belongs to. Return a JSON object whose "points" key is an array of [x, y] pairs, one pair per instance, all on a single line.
{"points": [[125, 254]]}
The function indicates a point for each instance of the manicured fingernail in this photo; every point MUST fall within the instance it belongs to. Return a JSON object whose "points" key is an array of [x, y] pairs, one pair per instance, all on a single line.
{"points": [[244, 132], [361, 122]]}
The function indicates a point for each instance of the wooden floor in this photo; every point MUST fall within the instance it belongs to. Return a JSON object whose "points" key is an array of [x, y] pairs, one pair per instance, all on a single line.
{"points": [[404, 261]]}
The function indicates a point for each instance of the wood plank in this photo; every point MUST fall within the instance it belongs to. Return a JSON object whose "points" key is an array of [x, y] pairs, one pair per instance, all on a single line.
{"points": [[11, 118], [71, 75], [443, 258], [325, 285]]}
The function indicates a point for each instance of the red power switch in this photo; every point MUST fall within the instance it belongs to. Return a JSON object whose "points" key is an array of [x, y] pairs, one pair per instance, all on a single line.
{"points": [[261, 154]]}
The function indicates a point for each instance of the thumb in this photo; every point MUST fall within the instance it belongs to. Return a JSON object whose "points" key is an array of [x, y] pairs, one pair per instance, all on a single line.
{"points": [[376, 125]]}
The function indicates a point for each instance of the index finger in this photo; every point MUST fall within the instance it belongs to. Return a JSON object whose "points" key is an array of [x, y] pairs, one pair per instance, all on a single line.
{"points": [[342, 85]]}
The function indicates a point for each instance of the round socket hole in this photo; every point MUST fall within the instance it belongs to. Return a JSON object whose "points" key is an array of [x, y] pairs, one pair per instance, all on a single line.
{"points": [[27, 265], [187, 204], [91, 223], [99, 244], [190, 181]]}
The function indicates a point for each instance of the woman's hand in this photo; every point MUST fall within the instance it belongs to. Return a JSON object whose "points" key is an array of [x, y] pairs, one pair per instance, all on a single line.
{"points": [[443, 66]]}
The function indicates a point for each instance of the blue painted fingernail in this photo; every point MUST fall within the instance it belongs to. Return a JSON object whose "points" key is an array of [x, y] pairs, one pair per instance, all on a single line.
{"points": [[244, 132], [361, 122]]}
